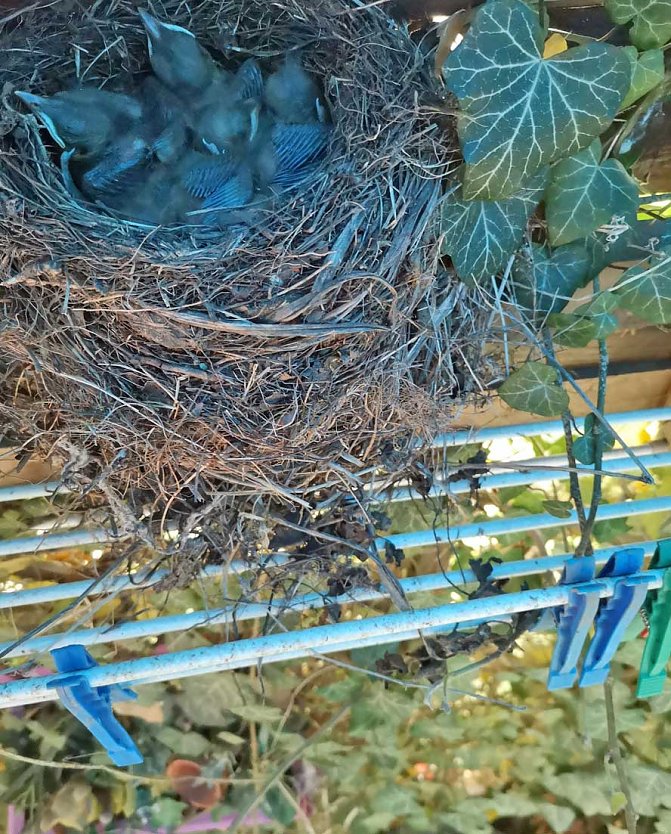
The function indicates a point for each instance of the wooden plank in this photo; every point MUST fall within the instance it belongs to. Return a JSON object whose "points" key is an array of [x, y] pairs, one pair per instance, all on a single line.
{"points": [[35, 471]]}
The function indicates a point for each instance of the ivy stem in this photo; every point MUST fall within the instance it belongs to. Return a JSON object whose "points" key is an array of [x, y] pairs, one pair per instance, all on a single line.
{"points": [[616, 756], [585, 543], [550, 358], [574, 483]]}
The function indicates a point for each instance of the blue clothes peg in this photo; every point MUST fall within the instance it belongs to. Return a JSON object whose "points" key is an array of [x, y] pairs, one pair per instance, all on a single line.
{"points": [[93, 705], [615, 614], [574, 621]]}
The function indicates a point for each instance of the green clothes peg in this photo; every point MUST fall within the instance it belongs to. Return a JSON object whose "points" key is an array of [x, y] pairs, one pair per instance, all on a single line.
{"points": [[658, 644]]}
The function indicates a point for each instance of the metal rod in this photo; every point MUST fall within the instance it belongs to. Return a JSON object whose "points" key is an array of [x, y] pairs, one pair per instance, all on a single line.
{"points": [[117, 584], [27, 492], [292, 645], [506, 526], [248, 611], [82, 538], [56, 541], [481, 435], [622, 463]]}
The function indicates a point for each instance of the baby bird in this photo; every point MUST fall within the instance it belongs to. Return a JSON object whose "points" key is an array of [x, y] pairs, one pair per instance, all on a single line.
{"points": [[227, 117], [288, 153], [176, 57], [86, 119], [166, 123], [120, 168], [216, 182], [191, 190], [292, 94]]}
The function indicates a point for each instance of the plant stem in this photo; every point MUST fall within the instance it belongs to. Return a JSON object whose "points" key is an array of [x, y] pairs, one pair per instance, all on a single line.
{"points": [[585, 544], [574, 483], [548, 352], [616, 757], [285, 765]]}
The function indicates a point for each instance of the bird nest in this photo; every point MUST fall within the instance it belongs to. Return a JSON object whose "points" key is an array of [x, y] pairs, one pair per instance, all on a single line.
{"points": [[292, 354]]}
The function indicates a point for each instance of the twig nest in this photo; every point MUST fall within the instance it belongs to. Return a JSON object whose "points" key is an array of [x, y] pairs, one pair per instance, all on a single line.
{"points": [[303, 344]]}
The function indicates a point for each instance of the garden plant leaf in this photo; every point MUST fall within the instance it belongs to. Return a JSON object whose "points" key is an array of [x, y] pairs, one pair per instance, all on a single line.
{"points": [[570, 330], [585, 194], [646, 290], [544, 281], [534, 388], [519, 111], [481, 235], [648, 72], [651, 20]]}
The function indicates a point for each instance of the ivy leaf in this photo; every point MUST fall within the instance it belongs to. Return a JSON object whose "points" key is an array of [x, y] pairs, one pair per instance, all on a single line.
{"points": [[584, 447], [647, 73], [585, 194], [167, 813], [189, 745], [559, 509], [209, 701], [558, 817], [646, 290], [534, 388], [633, 241], [600, 309], [651, 20], [572, 330], [481, 235], [650, 787], [545, 281], [589, 795], [520, 112]]}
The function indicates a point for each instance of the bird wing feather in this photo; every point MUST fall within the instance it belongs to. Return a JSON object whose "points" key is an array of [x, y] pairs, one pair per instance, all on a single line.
{"points": [[298, 145], [206, 176]]}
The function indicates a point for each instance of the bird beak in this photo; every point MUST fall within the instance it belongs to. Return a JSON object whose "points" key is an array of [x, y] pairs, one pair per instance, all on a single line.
{"points": [[37, 103], [150, 23], [156, 28], [30, 98]]}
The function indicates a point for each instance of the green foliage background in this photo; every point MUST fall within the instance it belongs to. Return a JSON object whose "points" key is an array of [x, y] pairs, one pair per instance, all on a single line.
{"points": [[393, 764]]}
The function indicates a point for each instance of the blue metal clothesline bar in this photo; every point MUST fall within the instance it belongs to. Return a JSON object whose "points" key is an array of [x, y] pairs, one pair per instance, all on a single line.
{"points": [[240, 612], [273, 648], [536, 474], [483, 435], [493, 528], [499, 527]]}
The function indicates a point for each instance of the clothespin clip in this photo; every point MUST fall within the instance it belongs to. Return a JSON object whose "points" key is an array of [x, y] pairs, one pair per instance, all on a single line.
{"points": [[574, 621], [657, 607], [616, 613], [93, 705]]}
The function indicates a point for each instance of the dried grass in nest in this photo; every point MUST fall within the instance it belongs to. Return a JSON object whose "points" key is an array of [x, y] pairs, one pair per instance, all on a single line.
{"points": [[265, 360]]}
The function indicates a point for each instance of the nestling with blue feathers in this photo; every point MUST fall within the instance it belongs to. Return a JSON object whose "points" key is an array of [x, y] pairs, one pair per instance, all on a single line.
{"points": [[195, 141]]}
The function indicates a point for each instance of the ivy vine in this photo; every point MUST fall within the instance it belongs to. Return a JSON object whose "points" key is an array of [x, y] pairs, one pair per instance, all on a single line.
{"points": [[531, 130]]}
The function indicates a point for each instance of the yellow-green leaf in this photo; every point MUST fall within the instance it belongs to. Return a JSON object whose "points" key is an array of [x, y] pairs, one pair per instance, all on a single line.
{"points": [[617, 802], [534, 388], [647, 73]]}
